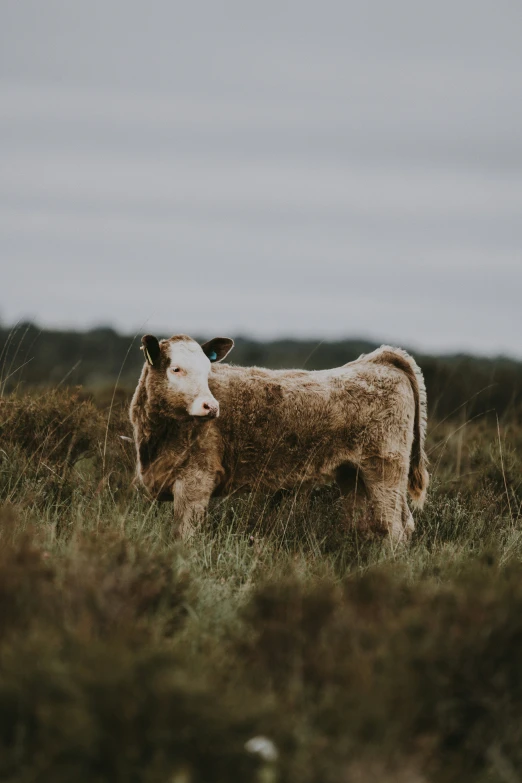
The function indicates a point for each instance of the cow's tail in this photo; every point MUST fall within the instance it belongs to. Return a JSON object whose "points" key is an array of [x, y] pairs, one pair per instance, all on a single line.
{"points": [[418, 478]]}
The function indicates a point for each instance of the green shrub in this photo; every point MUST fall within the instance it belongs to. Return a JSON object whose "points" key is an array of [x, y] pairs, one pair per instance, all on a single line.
{"points": [[381, 666], [54, 442], [125, 655]]}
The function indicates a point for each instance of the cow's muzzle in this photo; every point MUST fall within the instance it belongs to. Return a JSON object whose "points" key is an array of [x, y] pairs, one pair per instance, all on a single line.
{"points": [[205, 410], [210, 410]]}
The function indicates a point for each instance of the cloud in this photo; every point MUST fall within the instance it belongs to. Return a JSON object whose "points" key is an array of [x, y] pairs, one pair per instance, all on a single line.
{"points": [[341, 172]]}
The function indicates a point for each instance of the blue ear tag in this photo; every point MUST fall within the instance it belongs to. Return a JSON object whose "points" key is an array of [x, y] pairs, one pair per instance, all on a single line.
{"points": [[212, 356]]}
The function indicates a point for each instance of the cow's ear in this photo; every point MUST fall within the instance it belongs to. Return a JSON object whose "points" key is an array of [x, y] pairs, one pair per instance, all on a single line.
{"points": [[151, 348], [218, 348]]}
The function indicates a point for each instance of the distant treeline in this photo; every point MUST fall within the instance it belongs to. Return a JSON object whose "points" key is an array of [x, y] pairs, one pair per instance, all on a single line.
{"points": [[463, 386]]}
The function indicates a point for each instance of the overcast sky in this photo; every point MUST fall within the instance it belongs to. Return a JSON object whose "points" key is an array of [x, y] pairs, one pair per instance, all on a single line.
{"points": [[325, 169]]}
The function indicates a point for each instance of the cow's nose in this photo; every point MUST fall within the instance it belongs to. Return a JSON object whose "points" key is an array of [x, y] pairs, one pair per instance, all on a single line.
{"points": [[211, 409]]}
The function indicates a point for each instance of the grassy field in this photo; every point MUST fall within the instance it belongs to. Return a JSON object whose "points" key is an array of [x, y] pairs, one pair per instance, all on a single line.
{"points": [[127, 656]]}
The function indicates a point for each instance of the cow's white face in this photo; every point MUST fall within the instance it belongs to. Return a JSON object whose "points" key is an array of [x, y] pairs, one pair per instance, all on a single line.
{"points": [[178, 371], [187, 376]]}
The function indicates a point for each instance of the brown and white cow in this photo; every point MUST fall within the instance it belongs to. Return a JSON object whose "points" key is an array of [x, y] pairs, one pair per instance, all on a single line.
{"points": [[203, 428]]}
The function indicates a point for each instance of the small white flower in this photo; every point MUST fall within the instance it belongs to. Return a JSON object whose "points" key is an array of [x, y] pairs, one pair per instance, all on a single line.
{"points": [[263, 747]]}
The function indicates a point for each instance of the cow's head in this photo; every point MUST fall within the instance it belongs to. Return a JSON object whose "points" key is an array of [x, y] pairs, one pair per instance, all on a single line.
{"points": [[180, 368]]}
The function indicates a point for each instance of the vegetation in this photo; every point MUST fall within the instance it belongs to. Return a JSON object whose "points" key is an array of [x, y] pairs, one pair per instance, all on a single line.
{"points": [[127, 656]]}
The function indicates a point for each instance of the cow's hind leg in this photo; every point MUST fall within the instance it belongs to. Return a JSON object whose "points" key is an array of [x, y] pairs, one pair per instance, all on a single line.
{"points": [[192, 493], [349, 479], [386, 481], [408, 524]]}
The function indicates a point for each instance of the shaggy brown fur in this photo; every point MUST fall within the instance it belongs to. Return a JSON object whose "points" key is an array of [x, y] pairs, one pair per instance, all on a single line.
{"points": [[282, 429]]}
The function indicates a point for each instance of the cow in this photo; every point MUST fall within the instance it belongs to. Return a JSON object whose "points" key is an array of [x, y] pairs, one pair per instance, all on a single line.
{"points": [[204, 428]]}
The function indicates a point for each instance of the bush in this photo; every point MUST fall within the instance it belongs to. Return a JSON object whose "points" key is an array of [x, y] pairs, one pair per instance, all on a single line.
{"points": [[89, 689], [385, 668], [54, 442], [127, 656]]}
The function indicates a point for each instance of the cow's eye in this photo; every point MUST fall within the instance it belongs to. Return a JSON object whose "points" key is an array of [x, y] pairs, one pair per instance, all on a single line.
{"points": [[175, 369]]}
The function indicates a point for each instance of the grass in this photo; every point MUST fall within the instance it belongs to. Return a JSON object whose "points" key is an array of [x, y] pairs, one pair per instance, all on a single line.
{"points": [[127, 656]]}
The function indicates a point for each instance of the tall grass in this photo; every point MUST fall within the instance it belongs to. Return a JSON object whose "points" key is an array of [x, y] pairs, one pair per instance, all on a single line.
{"points": [[127, 656]]}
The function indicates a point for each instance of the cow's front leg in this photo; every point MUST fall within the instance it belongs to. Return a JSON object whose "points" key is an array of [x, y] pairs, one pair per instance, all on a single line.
{"points": [[192, 494]]}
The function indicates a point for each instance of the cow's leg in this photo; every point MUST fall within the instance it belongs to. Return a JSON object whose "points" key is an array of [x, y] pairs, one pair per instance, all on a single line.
{"points": [[349, 479], [192, 493], [407, 520], [386, 482]]}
